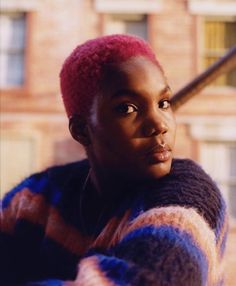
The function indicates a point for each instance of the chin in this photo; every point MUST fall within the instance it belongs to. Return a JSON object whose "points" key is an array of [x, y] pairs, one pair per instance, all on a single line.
{"points": [[159, 170]]}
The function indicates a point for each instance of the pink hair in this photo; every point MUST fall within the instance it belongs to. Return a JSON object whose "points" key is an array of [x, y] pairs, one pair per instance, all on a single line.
{"points": [[82, 71]]}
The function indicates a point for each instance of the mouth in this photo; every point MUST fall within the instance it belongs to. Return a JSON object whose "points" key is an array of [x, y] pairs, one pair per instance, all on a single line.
{"points": [[158, 153]]}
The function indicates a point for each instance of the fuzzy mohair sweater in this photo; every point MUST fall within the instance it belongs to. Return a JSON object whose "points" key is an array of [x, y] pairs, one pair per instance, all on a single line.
{"points": [[169, 233]]}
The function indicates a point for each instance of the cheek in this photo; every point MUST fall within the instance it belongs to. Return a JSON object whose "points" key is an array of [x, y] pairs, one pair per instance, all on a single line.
{"points": [[119, 141], [109, 137], [122, 129]]}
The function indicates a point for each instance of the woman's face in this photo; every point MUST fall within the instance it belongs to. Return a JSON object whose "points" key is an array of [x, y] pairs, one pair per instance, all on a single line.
{"points": [[132, 127]]}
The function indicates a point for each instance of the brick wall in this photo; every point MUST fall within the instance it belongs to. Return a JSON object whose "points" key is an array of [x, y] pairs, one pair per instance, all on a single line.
{"points": [[173, 38]]}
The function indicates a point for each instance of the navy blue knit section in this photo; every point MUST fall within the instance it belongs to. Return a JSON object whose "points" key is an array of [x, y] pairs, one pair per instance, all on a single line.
{"points": [[164, 254], [18, 252], [36, 257], [189, 186], [69, 179]]}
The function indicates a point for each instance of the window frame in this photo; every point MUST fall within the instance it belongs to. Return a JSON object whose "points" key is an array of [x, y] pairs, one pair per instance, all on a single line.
{"points": [[212, 7], [124, 6]]}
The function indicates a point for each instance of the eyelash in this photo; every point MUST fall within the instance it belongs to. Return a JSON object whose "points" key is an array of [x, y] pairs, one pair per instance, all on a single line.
{"points": [[162, 102], [123, 108]]}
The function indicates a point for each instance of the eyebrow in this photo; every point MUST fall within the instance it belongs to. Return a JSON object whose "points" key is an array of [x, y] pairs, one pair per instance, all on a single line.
{"points": [[166, 89], [130, 92]]}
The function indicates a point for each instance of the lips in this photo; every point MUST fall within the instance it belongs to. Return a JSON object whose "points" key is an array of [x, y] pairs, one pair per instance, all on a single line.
{"points": [[158, 153]]}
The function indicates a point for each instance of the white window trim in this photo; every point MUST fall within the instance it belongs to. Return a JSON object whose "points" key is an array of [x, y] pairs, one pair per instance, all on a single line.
{"points": [[212, 7], [19, 5], [225, 131], [124, 6], [210, 127]]}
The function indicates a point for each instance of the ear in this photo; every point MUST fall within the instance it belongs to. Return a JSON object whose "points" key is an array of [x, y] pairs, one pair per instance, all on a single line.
{"points": [[78, 129]]}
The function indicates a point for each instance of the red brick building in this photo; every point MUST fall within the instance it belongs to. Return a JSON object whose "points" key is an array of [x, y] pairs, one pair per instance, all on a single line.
{"points": [[187, 36]]}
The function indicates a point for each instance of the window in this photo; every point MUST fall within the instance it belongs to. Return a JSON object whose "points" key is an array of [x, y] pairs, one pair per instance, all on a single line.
{"points": [[12, 49], [219, 160], [220, 35], [135, 24]]}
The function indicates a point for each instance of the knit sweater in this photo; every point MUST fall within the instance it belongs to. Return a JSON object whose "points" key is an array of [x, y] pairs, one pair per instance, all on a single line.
{"points": [[56, 229]]}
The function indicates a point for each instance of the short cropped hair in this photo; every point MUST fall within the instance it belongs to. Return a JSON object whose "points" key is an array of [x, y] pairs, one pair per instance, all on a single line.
{"points": [[82, 71]]}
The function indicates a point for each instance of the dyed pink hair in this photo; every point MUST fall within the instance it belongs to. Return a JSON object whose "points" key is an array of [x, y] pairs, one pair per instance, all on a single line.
{"points": [[82, 71]]}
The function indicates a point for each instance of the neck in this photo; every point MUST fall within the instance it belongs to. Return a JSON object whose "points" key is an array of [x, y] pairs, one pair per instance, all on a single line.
{"points": [[110, 184]]}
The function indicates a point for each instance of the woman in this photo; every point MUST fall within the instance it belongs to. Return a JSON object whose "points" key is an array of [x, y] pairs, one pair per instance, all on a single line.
{"points": [[130, 214]]}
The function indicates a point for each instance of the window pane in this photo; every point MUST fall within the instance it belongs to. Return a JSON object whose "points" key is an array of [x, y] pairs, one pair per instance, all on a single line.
{"points": [[12, 47], [18, 32], [219, 37], [15, 67], [138, 28], [3, 68], [5, 32], [135, 24]]}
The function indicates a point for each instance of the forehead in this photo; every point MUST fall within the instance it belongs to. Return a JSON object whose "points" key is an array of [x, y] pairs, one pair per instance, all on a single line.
{"points": [[137, 73]]}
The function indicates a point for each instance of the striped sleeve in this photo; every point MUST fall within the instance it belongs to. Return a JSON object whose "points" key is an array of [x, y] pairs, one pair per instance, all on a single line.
{"points": [[33, 244], [175, 236]]}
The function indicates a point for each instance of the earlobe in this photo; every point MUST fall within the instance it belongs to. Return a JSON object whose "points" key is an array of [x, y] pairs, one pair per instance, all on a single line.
{"points": [[78, 129]]}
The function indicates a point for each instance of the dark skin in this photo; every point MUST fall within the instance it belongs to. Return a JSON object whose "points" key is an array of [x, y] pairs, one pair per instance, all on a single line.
{"points": [[129, 136]]}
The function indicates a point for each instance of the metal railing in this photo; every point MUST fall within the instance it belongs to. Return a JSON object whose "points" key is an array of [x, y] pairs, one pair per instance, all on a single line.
{"points": [[223, 65]]}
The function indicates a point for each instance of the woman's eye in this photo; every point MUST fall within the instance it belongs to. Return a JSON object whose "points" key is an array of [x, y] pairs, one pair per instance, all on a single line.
{"points": [[164, 104], [126, 108]]}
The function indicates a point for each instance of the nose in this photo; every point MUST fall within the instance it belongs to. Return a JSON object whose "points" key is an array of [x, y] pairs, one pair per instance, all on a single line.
{"points": [[154, 124]]}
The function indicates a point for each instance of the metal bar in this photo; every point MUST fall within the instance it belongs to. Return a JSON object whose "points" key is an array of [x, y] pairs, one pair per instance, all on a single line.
{"points": [[223, 65]]}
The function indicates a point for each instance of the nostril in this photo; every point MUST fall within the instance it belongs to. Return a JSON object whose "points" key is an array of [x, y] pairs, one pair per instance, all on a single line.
{"points": [[154, 128], [164, 132], [151, 132]]}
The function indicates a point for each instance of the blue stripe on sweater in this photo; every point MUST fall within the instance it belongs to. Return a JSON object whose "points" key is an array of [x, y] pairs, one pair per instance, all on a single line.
{"points": [[37, 185], [116, 269], [165, 252]]}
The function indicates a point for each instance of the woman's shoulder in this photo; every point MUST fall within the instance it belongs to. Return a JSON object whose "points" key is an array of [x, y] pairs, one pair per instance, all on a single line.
{"points": [[190, 174], [186, 166], [188, 186]]}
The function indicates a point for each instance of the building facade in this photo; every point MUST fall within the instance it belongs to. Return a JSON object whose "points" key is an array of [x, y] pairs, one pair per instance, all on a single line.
{"points": [[187, 36]]}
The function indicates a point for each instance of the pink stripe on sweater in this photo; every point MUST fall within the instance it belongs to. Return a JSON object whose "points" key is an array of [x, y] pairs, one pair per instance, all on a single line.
{"points": [[34, 209]]}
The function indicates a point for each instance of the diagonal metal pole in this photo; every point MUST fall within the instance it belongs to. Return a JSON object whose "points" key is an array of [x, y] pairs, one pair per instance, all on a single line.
{"points": [[223, 65]]}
